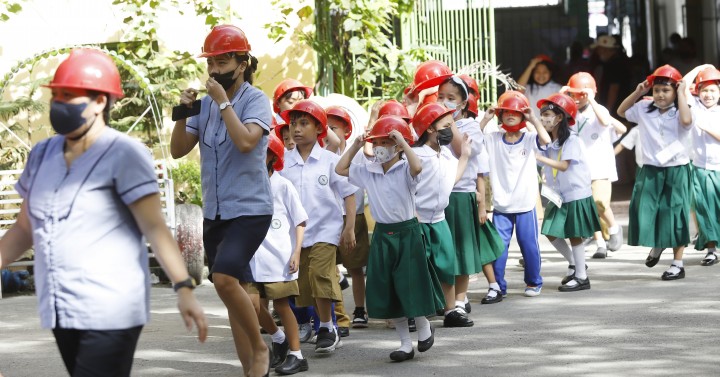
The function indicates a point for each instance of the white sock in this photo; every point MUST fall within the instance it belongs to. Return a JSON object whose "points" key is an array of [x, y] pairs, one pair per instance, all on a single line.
{"points": [[403, 331], [655, 252], [570, 270], [446, 313], [492, 293], [614, 229], [466, 300], [579, 254], [495, 286], [562, 247], [423, 328], [711, 250], [278, 337], [297, 354], [601, 242], [327, 325], [460, 303], [678, 263]]}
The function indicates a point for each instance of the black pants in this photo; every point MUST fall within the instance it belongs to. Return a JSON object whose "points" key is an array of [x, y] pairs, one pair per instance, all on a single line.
{"points": [[97, 352]]}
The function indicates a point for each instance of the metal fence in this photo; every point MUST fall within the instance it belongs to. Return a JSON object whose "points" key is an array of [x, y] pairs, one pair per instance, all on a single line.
{"points": [[458, 34]]}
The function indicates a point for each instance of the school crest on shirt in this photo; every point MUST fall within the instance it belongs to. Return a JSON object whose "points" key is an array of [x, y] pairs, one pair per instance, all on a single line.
{"points": [[595, 136], [523, 152], [323, 180], [276, 224]]}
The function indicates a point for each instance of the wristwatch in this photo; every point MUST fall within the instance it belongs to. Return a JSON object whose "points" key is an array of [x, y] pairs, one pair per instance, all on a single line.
{"points": [[225, 105], [189, 283]]}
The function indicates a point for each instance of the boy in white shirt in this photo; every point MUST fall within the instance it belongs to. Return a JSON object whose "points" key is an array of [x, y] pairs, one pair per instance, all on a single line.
{"points": [[323, 192], [275, 265]]}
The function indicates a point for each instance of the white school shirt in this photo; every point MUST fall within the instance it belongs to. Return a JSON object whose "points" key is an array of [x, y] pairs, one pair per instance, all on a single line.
{"points": [[513, 172], [658, 131], [573, 183], [478, 161], [598, 140], [322, 193], [706, 148], [391, 195], [270, 262], [535, 93], [632, 141], [436, 183]]}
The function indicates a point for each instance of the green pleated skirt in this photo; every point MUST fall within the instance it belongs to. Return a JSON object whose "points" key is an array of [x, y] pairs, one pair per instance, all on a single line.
{"points": [[660, 207], [400, 280], [440, 250], [475, 244], [706, 196], [578, 218]]}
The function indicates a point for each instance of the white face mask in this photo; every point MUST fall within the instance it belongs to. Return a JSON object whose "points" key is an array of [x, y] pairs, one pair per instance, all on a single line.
{"points": [[384, 154], [548, 122]]}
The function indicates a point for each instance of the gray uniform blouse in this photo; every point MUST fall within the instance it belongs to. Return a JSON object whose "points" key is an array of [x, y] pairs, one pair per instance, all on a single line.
{"points": [[91, 264]]}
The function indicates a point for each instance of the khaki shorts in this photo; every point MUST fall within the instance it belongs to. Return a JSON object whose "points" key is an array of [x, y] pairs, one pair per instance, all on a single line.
{"points": [[602, 192], [274, 291], [357, 257], [317, 277]]}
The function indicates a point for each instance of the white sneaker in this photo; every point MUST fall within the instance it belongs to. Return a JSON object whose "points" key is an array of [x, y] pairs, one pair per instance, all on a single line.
{"points": [[306, 331], [533, 291]]}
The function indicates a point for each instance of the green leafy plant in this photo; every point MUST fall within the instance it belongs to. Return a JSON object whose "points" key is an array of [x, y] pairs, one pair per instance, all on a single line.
{"points": [[187, 181], [356, 44], [11, 7]]}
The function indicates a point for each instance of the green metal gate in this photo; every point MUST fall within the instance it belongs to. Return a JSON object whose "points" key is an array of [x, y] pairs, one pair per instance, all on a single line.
{"points": [[460, 35]]}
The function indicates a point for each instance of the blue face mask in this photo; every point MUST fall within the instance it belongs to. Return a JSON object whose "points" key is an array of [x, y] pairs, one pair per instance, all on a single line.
{"points": [[66, 117]]}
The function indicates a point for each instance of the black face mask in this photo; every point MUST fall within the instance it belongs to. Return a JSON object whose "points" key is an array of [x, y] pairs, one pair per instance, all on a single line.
{"points": [[225, 79], [445, 136]]}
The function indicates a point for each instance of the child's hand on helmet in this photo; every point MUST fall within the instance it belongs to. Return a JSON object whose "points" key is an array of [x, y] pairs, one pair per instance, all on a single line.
{"points": [[490, 112]]}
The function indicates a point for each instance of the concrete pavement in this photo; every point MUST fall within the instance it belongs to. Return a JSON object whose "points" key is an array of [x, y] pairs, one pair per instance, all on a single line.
{"points": [[629, 324]]}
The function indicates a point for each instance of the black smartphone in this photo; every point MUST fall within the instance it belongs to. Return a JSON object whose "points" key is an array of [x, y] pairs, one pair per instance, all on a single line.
{"points": [[184, 112]]}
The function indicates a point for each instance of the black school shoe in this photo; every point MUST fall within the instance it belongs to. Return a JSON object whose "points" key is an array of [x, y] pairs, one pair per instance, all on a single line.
{"points": [[670, 276], [292, 365], [424, 345], [455, 318], [343, 331], [567, 278], [581, 285], [412, 326], [710, 259], [650, 261], [360, 319], [492, 299], [402, 355], [279, 351]]}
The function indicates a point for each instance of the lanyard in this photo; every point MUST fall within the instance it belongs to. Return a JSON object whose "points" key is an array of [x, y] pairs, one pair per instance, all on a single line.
{"points": [[582, 126], [555, 171]]}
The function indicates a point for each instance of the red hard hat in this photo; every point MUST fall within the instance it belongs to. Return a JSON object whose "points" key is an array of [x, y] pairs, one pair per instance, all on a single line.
{"points": [[513, 100], [473, 105], [566, 104], [544, 58], [277, 126], [427, 115], [428, 74], [339, 112], [383, 126], [311, 108], [276, 146], [393, 107], [707, 74], [430, 98], [286, 86], [470, 83], [580, 81], [88, 69], [666, 71], [223, 39]]}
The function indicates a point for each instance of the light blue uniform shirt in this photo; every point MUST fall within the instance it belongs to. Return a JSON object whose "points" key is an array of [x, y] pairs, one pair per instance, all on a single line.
{"points": [[91, 264], [234, 184]]}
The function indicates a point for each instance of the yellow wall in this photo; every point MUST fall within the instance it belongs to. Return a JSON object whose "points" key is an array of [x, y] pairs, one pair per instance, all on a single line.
{"points": [[49, 24]]}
